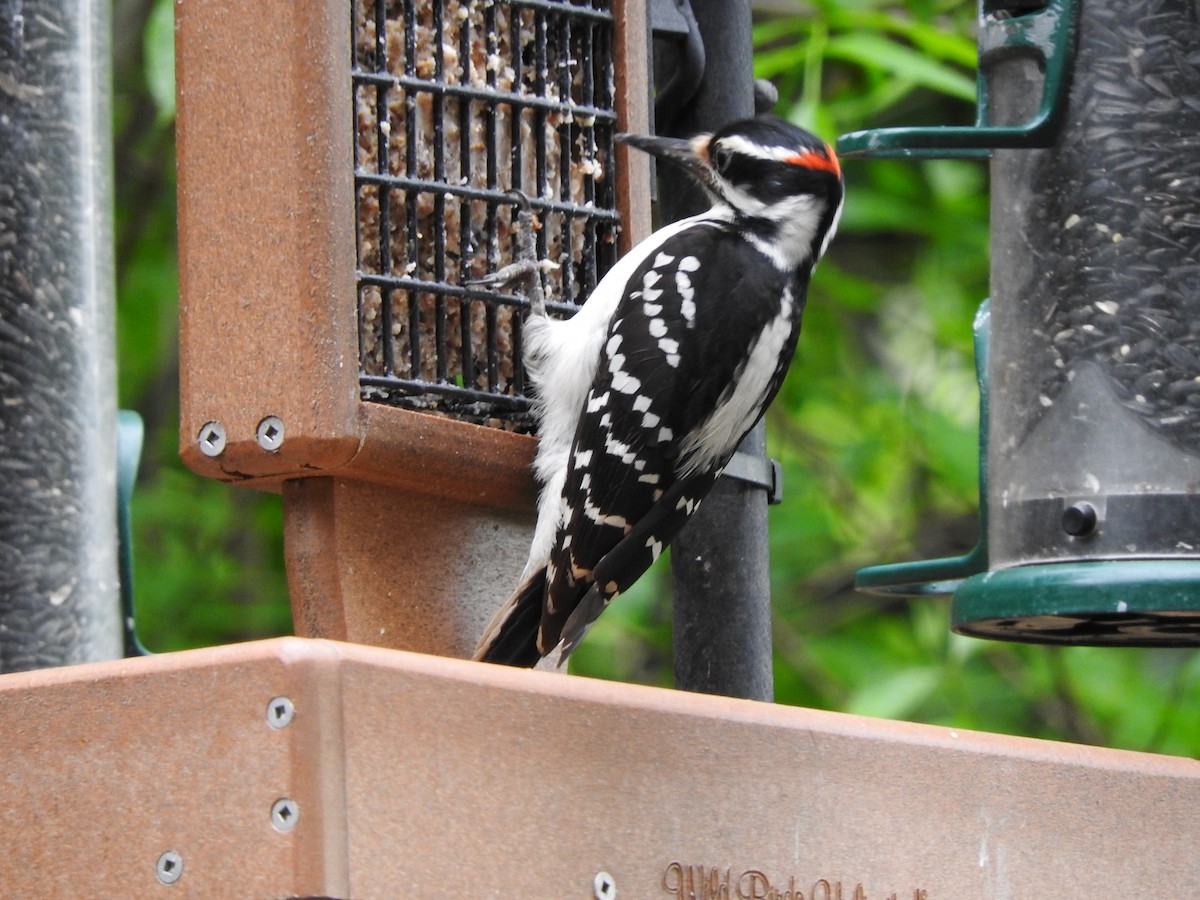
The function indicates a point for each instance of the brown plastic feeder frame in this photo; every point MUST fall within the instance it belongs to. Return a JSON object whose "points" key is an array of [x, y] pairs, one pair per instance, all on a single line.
{"points": [[300, 768], [269, 356]]}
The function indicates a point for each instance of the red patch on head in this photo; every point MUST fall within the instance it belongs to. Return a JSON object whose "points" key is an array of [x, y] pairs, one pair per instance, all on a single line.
{"points": [[815, 159]]}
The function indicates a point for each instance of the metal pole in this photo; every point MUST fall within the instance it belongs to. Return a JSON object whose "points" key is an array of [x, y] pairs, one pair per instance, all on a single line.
{"points": [[720, 574], [59, 600]]}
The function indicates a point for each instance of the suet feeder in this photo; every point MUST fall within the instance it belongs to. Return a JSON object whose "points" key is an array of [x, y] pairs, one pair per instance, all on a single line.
{"points": [[1091, 448], [346, 170]]}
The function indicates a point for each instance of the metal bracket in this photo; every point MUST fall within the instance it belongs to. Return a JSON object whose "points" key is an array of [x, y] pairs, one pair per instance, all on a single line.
{"points": [[1006, 28], [671, 18], [674, 21], [131, 433], [929, 577], [759, 471]]}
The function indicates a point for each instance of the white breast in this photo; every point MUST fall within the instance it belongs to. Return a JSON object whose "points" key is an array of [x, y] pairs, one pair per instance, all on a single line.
{"points": [[708, 444]]}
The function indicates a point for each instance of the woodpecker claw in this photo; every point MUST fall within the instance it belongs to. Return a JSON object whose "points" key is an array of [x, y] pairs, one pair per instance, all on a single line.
{"points": [[525, 264], [522, 199], [505, 275]]}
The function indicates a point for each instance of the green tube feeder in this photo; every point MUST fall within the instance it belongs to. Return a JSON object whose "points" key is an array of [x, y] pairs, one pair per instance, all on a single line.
{"points": [[1090, 349]]}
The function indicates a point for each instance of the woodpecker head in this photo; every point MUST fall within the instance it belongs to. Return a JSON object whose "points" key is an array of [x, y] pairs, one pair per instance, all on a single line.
{"points": [[780, 183]]}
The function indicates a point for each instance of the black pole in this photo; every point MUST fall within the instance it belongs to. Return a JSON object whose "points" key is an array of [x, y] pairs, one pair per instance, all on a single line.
{"points": [[720, 575], [59, 600]]}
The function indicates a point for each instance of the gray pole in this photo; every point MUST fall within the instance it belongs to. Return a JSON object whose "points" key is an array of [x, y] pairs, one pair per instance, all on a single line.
{"points": [[720, 570], [59, 599]]}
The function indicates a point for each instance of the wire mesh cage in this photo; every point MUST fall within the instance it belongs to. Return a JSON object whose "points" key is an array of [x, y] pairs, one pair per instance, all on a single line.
{"points": [[458, 103]]}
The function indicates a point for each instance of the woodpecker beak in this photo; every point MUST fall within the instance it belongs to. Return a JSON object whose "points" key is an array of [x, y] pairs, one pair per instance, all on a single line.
{"points": [[682, 152]]}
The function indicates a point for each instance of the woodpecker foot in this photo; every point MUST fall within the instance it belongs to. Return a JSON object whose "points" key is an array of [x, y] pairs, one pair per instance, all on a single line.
{"points": [[525, 265], [506, 275]]}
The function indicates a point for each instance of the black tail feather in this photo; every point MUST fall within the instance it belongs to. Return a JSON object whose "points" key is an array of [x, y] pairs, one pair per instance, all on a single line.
{"points": [[511, 636]]}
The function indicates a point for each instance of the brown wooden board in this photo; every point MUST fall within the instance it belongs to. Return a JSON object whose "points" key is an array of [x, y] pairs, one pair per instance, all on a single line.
{"points": [[393, 568], [266, 233], [418, 776], [632, 54]]}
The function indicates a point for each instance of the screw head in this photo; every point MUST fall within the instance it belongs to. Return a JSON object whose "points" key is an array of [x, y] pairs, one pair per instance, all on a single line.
{"points": [[284, 813], [1079, 519], [270, 433], [279, 712], [604, 887], [211, 438], [169, 867]]}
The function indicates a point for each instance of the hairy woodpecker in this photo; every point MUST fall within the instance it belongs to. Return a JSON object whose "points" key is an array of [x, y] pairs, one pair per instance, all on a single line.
{"points": [[643, 396]]}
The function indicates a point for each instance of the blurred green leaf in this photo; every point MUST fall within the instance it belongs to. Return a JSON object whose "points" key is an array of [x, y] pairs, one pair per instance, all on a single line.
{"points": [[871, 50], [159, 51], [895, 696]]}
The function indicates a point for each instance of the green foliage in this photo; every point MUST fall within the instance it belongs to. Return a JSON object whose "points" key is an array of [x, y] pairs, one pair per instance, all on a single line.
{"points": [[838, 65], [208, 563], [876, 427], [159, 49]]}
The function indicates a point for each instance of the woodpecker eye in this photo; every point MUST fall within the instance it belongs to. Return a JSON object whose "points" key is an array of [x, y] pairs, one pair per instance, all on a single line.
{"points": [[722, 157]]}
